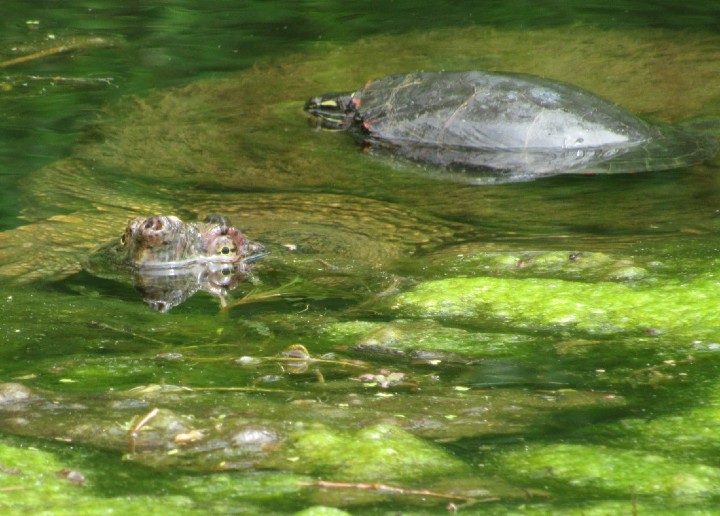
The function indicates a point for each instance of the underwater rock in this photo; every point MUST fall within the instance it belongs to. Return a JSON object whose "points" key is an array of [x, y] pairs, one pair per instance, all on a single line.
{"points": [[598, 308], [611, 471]]}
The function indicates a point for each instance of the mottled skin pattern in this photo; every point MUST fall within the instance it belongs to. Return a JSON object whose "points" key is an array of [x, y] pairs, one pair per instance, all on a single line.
{"points": [[165, 242], [170, 260], [157, 240]]}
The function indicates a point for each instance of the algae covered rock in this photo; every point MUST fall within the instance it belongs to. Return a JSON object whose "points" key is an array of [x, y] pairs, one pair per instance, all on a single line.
{"points": [[41, 481], [376, 453], [322, 511], [549, 304], [426, 340], [473, 259], [611, 471], [689, 433]]}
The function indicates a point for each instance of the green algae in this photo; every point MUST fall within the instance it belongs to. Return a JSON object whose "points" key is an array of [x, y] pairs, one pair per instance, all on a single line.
{"points": [[469, 260], [322, 511], [618, 472], [31, 482], [409, 336], [377, 453], [693, 434], [597, 308], [685, 433], [255, 427], [605, 508], [35, 480]]}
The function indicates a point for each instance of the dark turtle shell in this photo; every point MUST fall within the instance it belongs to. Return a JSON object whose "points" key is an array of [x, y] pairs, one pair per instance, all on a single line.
{"points": [[502, 122]]}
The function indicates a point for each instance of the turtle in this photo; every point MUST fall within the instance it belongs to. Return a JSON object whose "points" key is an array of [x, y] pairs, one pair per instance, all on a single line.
{"points": [[166, 242], [334, 245], [170, 260], [509, 124]]}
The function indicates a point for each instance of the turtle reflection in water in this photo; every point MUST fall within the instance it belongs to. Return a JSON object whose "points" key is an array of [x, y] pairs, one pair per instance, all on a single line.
{"points": [[512, 125], [170, 260]]}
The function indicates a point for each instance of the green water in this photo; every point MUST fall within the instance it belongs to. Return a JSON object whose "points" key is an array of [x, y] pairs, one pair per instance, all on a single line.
{"points": [[540, 347]]}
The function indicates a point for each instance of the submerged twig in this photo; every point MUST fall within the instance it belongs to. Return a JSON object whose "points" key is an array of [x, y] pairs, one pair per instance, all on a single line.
{"points": [[255, 296], [62, 80], [242, 389], [12, 488], [155, 388], [396, 490], [68, 46], [296, 359], [310, 360], [656, 372], [133, 433], [106, 326], [8, 82]]}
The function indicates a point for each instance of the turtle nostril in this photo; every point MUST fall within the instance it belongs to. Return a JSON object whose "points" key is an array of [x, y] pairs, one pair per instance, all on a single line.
{"points": [[154, 223]]}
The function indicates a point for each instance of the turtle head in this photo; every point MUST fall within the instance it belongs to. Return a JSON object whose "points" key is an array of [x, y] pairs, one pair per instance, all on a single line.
{"points": [[153, 241], [223, 243], [332, 111]]}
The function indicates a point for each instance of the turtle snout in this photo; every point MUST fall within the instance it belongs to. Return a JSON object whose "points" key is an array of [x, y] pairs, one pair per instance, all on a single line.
{"points": [[313, 104], [255, 251]]}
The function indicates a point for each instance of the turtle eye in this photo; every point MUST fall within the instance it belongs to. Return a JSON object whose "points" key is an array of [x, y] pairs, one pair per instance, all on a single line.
{"points": [[227, 250]]}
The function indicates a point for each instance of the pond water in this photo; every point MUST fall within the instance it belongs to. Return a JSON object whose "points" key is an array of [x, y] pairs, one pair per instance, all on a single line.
{"points": [[413, 343]]}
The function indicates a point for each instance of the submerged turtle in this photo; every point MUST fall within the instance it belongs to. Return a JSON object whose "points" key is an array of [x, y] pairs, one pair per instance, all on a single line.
{"points": [[166, 242], [334, 245], [514, 124], [170, 259]]}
